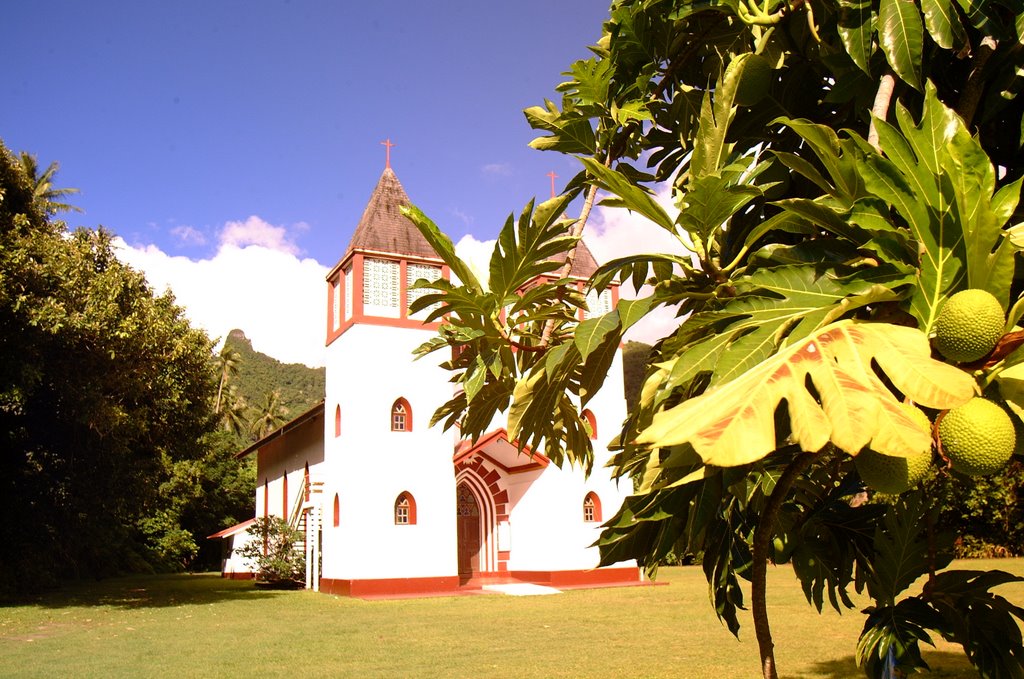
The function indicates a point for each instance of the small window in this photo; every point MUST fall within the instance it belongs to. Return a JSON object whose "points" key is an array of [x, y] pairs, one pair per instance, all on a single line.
{"points": [[337, 511], [405, 510], [337, 421], [401, 416], [591, 421], [591, 508]]}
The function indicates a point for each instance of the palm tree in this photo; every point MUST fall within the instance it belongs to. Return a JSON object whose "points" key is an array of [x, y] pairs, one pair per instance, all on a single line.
{"points": [[233, 416], [226, 361], [47, 196], [269, 416]]}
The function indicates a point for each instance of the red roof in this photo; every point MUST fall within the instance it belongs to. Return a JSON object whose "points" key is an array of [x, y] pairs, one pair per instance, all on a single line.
{"points": [[228, 532], [496, 447], [318, 409]]}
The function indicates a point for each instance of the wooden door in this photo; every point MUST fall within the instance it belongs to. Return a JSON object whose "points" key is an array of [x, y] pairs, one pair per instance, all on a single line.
{"points": [[468, 520]]}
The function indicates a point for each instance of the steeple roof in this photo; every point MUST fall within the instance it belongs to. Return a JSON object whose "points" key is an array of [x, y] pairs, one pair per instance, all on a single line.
{"points": [[383, 228], [584, 265]]}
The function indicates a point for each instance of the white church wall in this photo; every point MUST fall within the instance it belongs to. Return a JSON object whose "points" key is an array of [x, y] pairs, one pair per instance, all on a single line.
{"points": [[368, 368], [235, 565], [286, 457]]}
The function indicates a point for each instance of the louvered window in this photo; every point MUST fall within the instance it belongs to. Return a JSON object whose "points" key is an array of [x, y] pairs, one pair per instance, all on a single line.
{"points": [[348, 293], [598, 305], [336, 306], [414, 272], [380, 287]]}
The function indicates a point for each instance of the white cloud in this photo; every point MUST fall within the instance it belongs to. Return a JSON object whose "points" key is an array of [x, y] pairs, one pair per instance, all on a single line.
{"points": [[255, 231], [499, 169], [462, 216], [616, 232], [276, 298], [188, 235], [477, 254]]}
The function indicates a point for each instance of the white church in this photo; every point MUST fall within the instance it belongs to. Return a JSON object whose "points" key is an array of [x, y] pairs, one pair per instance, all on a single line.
{"points": [[392, 507]]}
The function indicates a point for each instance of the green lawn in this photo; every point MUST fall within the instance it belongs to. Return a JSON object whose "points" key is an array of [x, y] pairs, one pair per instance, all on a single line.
{"points": [[201, 625]]}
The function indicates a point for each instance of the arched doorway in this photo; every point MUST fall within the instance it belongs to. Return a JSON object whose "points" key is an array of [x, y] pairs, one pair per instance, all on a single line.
{"points": [[469, 532]]}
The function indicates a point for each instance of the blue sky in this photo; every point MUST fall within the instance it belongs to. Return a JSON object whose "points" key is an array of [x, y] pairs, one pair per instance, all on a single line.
{"points": [[177, 118], [233, 145]]}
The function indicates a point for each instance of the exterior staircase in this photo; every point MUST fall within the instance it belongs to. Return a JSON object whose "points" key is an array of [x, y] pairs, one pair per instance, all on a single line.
{"points": [[307, 518]]}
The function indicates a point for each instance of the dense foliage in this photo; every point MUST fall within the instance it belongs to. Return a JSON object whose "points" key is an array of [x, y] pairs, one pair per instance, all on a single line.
{"points": [[105, 402], [838, 169]]}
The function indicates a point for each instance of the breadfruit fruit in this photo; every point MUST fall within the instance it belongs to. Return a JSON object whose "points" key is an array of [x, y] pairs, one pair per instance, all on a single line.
{"points": [[895, 475], [978, 437], [969, 325], [755, 81]]}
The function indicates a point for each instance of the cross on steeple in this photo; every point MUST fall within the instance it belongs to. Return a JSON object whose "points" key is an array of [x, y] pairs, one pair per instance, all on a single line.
{"points": [[387, 154], [552, 175]]}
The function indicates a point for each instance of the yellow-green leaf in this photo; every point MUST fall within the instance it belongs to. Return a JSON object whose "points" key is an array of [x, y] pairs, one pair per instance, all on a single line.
{"points": [[850, 405]]}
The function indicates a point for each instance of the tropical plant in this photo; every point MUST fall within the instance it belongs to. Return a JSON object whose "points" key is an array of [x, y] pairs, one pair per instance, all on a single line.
{"points": [[837, 170], [276, 553], [104, 389], [226, 363], [47, 196], [269, 415]]}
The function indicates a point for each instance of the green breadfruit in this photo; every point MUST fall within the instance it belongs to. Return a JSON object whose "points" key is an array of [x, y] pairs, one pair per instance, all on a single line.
{"points": [[755, 81], [895, 475], [969, 325], [978, 437]]}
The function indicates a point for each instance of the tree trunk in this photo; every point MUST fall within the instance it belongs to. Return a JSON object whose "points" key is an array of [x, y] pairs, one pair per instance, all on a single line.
{"points": [[759, 569]]}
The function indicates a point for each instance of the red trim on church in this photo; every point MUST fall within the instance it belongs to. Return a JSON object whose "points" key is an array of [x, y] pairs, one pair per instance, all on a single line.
{"points": [[238, 576], [336, 286], [389, 588], [466, 449]]}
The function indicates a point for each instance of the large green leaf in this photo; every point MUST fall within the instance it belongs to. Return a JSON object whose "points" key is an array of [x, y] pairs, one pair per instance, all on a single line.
{"points": [[570, 132], [632, 196], [935, 227], [774, 305], [856, 29], [526, 249], [442, 245], [901, 36], [711, 200], [734, 424], [943, 23], [709, 146]]}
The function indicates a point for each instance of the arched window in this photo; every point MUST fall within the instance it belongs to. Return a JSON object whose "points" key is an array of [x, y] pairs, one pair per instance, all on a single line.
{"points": [[337, 511], [401, 416], [266, 497], [305, 483], [337, 421], [591, 507], [591, 421], [405, 510]]}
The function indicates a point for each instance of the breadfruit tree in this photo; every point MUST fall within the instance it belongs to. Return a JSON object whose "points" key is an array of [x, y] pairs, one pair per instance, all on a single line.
{"points": [[838, 170]]}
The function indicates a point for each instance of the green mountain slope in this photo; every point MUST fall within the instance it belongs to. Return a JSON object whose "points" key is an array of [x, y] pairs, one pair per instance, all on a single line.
{"points": [[299, 386]]}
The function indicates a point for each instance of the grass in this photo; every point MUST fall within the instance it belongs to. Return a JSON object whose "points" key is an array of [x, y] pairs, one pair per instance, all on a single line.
{"points": [[201, 625]]}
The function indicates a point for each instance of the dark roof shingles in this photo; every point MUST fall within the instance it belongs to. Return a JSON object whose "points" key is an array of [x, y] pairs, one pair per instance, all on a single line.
{"points": [[383, 228]]}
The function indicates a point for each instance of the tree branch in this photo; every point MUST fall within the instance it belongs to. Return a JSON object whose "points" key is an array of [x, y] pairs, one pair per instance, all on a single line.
{"points": [[759, 568], [570, 257], [880, 107], [971, 96]]}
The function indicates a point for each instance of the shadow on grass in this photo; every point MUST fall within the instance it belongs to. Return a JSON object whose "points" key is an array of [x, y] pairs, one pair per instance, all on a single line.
{"points": [[944, 664], [149, 591]]}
